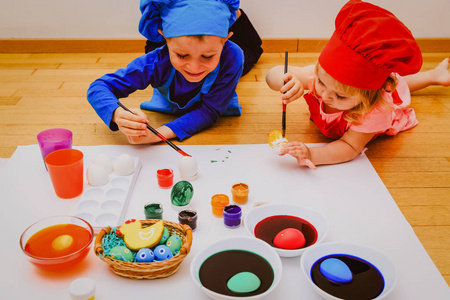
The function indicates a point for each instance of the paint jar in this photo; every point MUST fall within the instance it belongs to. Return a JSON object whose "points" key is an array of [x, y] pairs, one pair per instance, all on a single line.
{"points": [[153, 211], [232, 216], [82, 289], [188, 217], [165, 178], [218, 202], [240, 193]]}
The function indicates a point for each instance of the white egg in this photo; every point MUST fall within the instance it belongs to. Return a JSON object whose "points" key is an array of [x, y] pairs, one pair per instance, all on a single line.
{"points": [[96, 175], [124, 165], [188, 168], [105, 161]]}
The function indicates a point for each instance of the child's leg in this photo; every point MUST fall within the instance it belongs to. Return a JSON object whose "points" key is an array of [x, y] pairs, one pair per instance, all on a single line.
{"points": [[437, 76]]}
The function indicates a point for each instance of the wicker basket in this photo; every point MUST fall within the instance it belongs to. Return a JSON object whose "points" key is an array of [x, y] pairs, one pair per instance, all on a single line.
{"points": [[151, 270]]}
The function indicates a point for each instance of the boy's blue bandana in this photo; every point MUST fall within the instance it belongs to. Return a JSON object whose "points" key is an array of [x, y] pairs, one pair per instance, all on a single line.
{"points": [[186, 17]]}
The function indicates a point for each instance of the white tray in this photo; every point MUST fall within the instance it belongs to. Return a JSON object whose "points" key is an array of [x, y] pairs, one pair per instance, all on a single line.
{"points": [[106, 205]]}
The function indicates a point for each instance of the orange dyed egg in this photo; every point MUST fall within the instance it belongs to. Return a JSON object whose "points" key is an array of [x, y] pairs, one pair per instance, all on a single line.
{"points": [[289, 238]]}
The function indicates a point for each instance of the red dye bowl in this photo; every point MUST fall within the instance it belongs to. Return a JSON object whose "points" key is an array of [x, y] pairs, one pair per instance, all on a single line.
{"points": [[57, 243]]}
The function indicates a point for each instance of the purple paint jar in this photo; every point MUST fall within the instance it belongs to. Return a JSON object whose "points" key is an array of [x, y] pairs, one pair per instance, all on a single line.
{"points": [[232, 216]]}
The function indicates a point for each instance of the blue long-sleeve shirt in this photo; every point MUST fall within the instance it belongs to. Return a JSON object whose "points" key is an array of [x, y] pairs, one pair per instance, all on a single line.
{"points": [[154, 69]]}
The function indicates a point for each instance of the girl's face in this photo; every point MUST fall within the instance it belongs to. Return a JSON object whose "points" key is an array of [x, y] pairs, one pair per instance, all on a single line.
{"points": [[333, 97], [195, 57]]}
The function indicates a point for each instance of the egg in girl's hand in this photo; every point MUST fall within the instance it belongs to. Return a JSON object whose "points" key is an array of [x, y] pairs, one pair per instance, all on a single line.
{"points": [[124, 165], [188, 168], [276, 141], [105, 161], [96, 175]]}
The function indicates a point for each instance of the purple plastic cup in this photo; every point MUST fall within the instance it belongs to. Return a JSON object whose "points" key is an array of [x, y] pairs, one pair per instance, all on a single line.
{"points": [[54, 139]]}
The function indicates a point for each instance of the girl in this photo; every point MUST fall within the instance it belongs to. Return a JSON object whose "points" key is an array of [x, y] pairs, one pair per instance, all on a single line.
{"points": [[194, 75], [356, 90]]}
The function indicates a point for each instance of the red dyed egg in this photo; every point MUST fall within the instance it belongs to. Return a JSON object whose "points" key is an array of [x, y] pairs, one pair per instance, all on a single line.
{"points": [[289, 238]]}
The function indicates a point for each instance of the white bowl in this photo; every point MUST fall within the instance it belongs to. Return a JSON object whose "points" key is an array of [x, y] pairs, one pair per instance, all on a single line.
{"points": [[315, 218], [385, 265], [238, 243]]}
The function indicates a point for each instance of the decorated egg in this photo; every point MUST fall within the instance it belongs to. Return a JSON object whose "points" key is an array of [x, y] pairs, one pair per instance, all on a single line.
{"points": [[174, 243], [336, 270], [182, 193], [124, 165], [96, 175], [188, 167], [105, 161], [145, 255], [276, 141], [164, 236], [289, 238], [121, 253], [244, 282], [162, 252]]}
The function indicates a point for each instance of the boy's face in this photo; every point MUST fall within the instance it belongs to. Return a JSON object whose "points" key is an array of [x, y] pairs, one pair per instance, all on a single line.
{"points": [[195, 57]]}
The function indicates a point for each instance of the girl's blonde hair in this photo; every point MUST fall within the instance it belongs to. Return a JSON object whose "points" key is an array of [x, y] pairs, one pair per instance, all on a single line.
{"points": [[369, 98]]}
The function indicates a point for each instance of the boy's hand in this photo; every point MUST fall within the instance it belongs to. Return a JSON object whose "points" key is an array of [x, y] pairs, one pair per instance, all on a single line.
{"points": [[300, 152], [292, 90], [134, 126]]}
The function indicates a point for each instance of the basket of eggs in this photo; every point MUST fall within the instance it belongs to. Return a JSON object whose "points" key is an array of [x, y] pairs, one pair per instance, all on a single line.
{"points": [[144, 249]]}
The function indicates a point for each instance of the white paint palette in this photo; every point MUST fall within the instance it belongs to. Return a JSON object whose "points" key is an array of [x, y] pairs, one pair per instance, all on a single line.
{"points": [[106, 205]]}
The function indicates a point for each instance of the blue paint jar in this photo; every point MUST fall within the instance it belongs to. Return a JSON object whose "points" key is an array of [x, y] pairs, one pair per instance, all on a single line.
{"points": [[232, 216]]}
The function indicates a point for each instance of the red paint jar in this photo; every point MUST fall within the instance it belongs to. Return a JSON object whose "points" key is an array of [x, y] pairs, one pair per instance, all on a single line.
{"points": [[165, 177]]}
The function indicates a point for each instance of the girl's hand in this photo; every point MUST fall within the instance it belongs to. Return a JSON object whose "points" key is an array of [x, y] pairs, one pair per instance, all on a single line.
{"points": [[300, 152], [292, 90]]}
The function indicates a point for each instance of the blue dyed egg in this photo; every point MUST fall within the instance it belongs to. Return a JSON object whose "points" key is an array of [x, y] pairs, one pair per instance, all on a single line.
{"points": [[145, 255], [164, 236], [244, 282], [162, 252], [174, 243], [336, 270], [121, 253]]}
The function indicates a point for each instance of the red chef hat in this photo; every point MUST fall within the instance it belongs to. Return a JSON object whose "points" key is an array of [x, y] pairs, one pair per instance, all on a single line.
{"points": [[369, 43]]}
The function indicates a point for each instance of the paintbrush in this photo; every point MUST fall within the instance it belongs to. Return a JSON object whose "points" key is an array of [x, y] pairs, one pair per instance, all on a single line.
{"points": [[283, 120], [157, 133]]}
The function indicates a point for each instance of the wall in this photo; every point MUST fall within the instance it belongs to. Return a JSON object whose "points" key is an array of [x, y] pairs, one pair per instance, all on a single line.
{"points": [[118, 19]]}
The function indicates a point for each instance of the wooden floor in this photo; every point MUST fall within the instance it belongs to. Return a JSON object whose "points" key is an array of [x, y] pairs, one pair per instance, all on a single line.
{"points": [[41, 91]]}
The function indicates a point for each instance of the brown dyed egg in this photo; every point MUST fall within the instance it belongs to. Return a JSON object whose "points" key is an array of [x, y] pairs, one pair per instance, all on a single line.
{"points": [[289, 238]]}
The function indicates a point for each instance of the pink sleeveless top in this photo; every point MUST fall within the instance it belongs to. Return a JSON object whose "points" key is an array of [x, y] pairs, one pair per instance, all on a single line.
{"points": [[380, 120]]}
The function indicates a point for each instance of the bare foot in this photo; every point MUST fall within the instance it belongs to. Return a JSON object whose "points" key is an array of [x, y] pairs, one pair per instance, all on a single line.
{"points": [[442, 74]]}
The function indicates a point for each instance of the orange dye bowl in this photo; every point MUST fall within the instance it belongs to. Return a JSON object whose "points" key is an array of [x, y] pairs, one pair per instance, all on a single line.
{"points": [[57, 243]]}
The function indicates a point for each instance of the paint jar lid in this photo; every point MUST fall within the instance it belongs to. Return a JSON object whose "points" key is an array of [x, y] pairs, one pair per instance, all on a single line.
{"points": [[220, 200], [82, 289]]}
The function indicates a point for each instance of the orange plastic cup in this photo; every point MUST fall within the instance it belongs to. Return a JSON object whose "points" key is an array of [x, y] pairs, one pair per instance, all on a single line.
{"points": [[218, 202], [65, 167], [240, 193]]}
